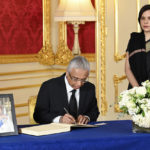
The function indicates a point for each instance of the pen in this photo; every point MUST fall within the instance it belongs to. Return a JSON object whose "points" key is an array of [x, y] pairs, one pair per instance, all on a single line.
{"points": [[69, 114], [66, 110]]}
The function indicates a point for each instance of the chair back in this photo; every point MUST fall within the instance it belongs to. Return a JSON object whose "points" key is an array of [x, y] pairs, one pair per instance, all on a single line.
{"points": [[31, 104]]}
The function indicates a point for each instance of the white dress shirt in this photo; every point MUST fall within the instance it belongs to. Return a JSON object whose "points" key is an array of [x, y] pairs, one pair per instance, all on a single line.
{"points": [[69, 93]]}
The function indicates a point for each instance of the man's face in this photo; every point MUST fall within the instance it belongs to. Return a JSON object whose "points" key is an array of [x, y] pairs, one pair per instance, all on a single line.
{"points": [[77, 77]]}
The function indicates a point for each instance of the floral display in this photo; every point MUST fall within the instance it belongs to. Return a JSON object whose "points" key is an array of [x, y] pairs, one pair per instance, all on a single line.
{"points": [[136, 103]]}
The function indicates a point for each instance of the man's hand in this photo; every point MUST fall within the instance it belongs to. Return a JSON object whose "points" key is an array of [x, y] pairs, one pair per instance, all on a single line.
{"points": [[82, 119], [67, 118]]}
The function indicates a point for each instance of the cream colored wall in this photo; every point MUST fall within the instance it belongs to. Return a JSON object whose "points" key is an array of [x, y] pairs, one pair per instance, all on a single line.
{"points": [[23, 79]]}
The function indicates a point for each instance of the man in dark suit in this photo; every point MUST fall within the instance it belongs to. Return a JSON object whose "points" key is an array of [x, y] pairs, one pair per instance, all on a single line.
{"points": [[57, 103]]}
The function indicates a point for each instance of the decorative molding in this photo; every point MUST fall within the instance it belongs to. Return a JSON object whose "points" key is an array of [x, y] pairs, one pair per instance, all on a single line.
{"points": [[19, 87], [21, 105], [36, 77], [32, 71], [117, 80], [46, 55], [6, 59], [117, 56], [21, 114], [31, 102], [101, 19], [97, 37], [33, 77], [63, 54]]}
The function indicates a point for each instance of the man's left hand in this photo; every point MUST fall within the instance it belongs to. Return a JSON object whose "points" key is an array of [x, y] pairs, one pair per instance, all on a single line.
{"points": [[82, 119]]}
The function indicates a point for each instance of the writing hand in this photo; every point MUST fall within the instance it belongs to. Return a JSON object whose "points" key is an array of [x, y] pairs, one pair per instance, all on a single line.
{"points": [[82, 119], [67, 118]]}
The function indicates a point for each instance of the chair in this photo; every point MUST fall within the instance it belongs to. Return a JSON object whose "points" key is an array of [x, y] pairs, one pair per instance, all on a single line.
{"points": [[31, 105]]}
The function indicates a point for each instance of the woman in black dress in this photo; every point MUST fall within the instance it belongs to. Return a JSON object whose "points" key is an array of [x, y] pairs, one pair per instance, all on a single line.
{"points": [[137, 64]]}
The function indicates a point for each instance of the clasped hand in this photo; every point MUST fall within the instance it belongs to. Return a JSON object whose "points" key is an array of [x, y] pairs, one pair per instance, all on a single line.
{"points": [[67, 118]]}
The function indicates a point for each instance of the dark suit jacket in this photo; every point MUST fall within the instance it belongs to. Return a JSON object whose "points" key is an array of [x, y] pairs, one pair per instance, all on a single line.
{"points": [[52, 99]]}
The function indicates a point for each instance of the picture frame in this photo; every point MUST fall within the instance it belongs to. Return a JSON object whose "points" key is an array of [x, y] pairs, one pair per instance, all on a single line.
{"points": [[8, 123]]}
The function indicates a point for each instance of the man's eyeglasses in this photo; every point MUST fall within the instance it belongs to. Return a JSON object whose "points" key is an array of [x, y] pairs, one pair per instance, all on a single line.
{"points": [[75, 79]]}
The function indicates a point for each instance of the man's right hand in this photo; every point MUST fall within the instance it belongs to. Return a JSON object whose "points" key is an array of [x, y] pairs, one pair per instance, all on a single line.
{"points": [[67, 118]]}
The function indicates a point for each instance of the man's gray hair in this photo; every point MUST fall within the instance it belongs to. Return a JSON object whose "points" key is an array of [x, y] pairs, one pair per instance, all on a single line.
{"points": [[79, 62]]}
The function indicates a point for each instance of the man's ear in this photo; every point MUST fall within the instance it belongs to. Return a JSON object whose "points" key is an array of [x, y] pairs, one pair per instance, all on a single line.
{"points": [[67, 73]]}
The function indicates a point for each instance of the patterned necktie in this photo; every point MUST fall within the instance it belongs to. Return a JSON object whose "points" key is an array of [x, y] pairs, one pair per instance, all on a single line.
{"points": [[73, 105]]}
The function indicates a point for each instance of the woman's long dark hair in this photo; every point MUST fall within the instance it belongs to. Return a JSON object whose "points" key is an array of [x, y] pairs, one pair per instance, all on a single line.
{"points": [[143, 9]]}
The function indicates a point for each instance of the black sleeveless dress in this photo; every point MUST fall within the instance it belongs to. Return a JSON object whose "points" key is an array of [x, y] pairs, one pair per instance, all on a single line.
{"points": [[139, 59]]}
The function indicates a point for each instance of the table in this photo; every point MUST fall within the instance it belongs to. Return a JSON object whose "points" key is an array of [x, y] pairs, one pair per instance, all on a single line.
{"points": [[115, 135]]}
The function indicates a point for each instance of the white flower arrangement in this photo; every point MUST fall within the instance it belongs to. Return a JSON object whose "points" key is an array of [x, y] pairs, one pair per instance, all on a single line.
{"points": [[136, 103]]}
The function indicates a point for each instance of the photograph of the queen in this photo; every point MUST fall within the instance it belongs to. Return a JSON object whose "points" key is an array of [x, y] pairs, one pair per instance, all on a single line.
{"points": [[6, 121]]}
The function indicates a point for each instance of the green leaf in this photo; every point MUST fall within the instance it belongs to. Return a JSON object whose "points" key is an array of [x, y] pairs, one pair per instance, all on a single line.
{"points": [[124, 109], [143, 113]]}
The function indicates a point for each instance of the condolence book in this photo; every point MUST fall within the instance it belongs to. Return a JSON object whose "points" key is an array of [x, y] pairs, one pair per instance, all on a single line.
{"points": [[53, 128]]}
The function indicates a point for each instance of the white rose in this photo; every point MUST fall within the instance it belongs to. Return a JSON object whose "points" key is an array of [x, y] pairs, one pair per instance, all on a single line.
{"points": [[144, 83], [141, 90], [132, 91]]}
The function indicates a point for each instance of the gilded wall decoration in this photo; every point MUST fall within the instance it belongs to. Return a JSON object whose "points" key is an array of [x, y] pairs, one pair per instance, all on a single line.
{"points": [[63, 54], [100, 53], [46, 55], [117, 80]]}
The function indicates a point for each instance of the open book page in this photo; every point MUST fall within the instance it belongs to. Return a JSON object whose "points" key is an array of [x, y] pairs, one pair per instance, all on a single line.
{"points": [[53, 128], [46, 129]]}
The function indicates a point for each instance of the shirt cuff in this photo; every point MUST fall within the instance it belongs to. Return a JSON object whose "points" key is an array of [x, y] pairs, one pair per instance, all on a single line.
{"points": [[56, 120]]}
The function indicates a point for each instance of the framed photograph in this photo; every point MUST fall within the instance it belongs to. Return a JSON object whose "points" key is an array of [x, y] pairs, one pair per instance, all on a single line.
{"points": [[8, 124]]}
